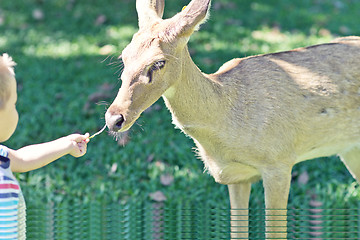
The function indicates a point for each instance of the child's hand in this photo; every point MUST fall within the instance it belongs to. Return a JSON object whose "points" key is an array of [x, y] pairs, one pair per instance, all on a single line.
{"points": [[78, 144]]}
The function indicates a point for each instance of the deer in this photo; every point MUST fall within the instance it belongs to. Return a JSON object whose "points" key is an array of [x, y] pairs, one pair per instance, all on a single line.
{"points": [[255, 118]]}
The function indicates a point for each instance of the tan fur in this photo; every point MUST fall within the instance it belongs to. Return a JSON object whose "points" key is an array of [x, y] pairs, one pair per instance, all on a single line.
{"points": [[254, 118]]}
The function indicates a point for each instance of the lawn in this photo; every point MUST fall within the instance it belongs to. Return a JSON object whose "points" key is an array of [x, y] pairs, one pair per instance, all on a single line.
{"points": [[68, 74]]}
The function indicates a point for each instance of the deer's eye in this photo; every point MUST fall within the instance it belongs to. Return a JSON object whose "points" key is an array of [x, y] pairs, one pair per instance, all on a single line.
{"points": [[158, 65], [155, 67]]}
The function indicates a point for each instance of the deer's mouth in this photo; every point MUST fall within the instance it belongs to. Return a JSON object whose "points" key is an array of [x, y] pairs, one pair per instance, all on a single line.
{"points": [[114, 121], [119, 123]]}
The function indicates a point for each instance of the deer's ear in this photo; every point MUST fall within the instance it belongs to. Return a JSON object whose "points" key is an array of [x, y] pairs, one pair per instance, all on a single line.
{"points": [[149, 11], [191, 17]]}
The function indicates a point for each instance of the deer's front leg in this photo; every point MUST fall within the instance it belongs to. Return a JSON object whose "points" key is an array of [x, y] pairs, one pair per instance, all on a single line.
{"points": [[239, 201], [276, 183]]}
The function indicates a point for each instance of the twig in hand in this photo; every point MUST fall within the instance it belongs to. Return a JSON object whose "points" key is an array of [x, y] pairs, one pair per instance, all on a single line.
{"points": [[97, 133]]}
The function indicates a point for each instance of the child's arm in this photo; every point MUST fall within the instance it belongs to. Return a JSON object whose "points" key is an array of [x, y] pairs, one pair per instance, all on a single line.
{"points": [[36, 156]]}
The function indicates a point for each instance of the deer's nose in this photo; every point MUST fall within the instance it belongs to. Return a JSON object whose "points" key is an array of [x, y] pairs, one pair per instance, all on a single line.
{"points": [[114, 122]]}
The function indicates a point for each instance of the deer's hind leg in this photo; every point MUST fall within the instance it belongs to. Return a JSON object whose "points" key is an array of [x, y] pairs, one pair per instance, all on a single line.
{"points": [[351, 159]]}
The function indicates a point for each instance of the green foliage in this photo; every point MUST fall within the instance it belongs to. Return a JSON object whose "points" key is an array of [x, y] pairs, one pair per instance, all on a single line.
{"points": [[66, 52]]}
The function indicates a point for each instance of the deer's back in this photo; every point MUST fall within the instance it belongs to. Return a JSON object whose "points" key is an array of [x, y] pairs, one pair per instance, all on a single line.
{"points": [[304, 102]]}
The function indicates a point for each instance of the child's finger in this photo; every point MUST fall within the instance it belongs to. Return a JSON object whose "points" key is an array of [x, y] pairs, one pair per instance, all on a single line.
{"points": [[81, 138], [82, 147], [87, 139]]}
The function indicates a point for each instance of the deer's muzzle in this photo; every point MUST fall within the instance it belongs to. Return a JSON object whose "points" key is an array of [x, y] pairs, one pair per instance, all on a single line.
{"points": [[114, 122]]}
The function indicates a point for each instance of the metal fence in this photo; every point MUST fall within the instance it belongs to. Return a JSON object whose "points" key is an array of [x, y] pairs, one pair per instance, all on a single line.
{"points": [[161, 221]]}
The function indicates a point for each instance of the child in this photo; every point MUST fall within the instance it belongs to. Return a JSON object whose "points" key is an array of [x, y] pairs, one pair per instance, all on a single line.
{"points": [[12, 205]]}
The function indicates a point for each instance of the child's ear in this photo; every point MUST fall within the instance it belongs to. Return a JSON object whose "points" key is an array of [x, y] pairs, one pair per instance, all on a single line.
{"points": [[190, 18]]}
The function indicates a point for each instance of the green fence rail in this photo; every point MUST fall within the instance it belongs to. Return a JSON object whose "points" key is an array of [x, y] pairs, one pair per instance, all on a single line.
{"points": [[161, 221]]}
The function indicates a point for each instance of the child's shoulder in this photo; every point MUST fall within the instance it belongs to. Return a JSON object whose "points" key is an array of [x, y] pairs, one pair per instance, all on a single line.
{"points": [[4, 151], [4, 158]]}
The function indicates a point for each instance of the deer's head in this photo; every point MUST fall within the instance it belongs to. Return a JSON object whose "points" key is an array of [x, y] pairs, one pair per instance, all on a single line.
{"points": [[153, 60]]}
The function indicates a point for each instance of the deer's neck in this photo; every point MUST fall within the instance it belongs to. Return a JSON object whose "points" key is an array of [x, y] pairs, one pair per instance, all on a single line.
{"points": [[194, 99]]}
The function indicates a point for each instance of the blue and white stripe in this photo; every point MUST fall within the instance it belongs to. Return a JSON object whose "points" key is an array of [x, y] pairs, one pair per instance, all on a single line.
{"points": [[9, 199]]}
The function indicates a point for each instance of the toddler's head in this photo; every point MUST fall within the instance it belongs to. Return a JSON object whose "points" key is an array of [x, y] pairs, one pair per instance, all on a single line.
{"points": [[8, 97]]}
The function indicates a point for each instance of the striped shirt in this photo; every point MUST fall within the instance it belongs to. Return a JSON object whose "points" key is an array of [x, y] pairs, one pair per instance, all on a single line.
{"points": [[12, 207]]}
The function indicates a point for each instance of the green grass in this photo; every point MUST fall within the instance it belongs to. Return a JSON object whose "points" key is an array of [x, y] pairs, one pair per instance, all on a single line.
{"points": [[61, 64]]}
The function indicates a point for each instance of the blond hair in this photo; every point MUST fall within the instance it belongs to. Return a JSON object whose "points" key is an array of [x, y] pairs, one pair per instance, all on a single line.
{"points": [[6, 71]]}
